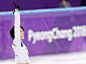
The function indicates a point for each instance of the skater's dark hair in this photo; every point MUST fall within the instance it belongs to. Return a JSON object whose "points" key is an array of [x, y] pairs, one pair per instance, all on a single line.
{"points": [[12, 31]]}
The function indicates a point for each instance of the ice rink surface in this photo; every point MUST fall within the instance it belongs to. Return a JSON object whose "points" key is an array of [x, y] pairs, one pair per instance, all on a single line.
{"points": [[67, 58]]}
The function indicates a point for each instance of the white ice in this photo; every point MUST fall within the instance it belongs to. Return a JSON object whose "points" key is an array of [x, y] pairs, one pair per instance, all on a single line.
{"points": [[67, 58]]}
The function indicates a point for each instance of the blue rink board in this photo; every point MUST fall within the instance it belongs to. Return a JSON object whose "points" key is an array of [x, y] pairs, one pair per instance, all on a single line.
{"points": [[45, 10]]}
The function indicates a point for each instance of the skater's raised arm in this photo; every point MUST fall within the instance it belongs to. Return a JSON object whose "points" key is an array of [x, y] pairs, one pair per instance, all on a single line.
{"points": [[17, 26]]}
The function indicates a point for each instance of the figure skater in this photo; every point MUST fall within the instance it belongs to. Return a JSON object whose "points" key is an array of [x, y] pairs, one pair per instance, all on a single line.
{"points": [[17, 34]]}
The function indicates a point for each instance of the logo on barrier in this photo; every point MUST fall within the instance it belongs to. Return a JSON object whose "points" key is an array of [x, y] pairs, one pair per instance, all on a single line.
{"points": [[55, 33]]}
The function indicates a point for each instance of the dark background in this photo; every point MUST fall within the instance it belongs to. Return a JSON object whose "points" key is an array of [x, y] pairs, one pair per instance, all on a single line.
{"points": [[7, 5]]}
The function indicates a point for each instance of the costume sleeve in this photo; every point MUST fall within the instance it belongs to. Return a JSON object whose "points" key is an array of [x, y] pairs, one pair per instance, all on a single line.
{"points": [[17, 28]]}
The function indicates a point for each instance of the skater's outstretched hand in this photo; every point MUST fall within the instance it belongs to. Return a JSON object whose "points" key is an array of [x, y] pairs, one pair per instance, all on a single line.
{"points": [[16, 7]]}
